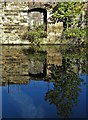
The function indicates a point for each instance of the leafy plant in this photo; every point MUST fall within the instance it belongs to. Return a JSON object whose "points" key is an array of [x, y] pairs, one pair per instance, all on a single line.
{"points": [[66, 12], [34, 36], [75, 33]]}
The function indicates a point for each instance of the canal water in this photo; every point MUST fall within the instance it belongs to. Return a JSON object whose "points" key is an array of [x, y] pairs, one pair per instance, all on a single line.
{"points": [[44, 82]]}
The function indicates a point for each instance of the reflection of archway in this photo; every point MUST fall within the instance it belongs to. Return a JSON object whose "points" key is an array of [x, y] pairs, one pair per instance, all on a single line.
{"points": [[41, 10]]}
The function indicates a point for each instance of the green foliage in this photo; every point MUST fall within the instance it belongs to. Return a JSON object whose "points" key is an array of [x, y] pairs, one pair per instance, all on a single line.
{"points": [[40, 27], [31, 36], [75, 33], [66, 12], [42, 34], [34, 36]]}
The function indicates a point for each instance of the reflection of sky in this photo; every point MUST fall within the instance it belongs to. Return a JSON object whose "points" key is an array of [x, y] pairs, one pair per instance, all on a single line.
{"points": [[28, 101], [80, 110]]}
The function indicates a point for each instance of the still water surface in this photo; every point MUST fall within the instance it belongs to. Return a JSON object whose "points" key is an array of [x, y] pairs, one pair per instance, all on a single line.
{"points": [[45, 82]]}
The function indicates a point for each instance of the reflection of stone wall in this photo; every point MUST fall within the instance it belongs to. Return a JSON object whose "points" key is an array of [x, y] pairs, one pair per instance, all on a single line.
{"points": [[0, 64], [35, 66], [14, 66], [53, 56]]}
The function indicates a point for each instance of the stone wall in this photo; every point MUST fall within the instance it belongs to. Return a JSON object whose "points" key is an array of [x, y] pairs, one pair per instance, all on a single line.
{"points": [[54, 32], [14, 21]]}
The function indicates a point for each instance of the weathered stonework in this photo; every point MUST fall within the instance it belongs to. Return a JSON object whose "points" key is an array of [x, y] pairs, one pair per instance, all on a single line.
{"points": [[15, 19]]}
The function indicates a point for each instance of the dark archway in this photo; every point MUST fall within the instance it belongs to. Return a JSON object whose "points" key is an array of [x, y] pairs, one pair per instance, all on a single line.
{"points": [[41, 10]]}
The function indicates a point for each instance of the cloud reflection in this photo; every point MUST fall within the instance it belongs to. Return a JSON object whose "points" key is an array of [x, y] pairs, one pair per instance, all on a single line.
{"points": [[28, 107]]}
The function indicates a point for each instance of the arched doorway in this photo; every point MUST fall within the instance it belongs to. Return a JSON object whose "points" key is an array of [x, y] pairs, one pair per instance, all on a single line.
{"points": [[36, 12]]}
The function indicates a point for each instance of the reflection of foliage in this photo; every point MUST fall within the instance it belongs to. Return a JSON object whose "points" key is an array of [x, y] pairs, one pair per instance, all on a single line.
{"points": [[35, 53], [67, 86], [77, 59]]}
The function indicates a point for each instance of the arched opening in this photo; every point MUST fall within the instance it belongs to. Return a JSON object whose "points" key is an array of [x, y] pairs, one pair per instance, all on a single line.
{"points": [[44, 13]]}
